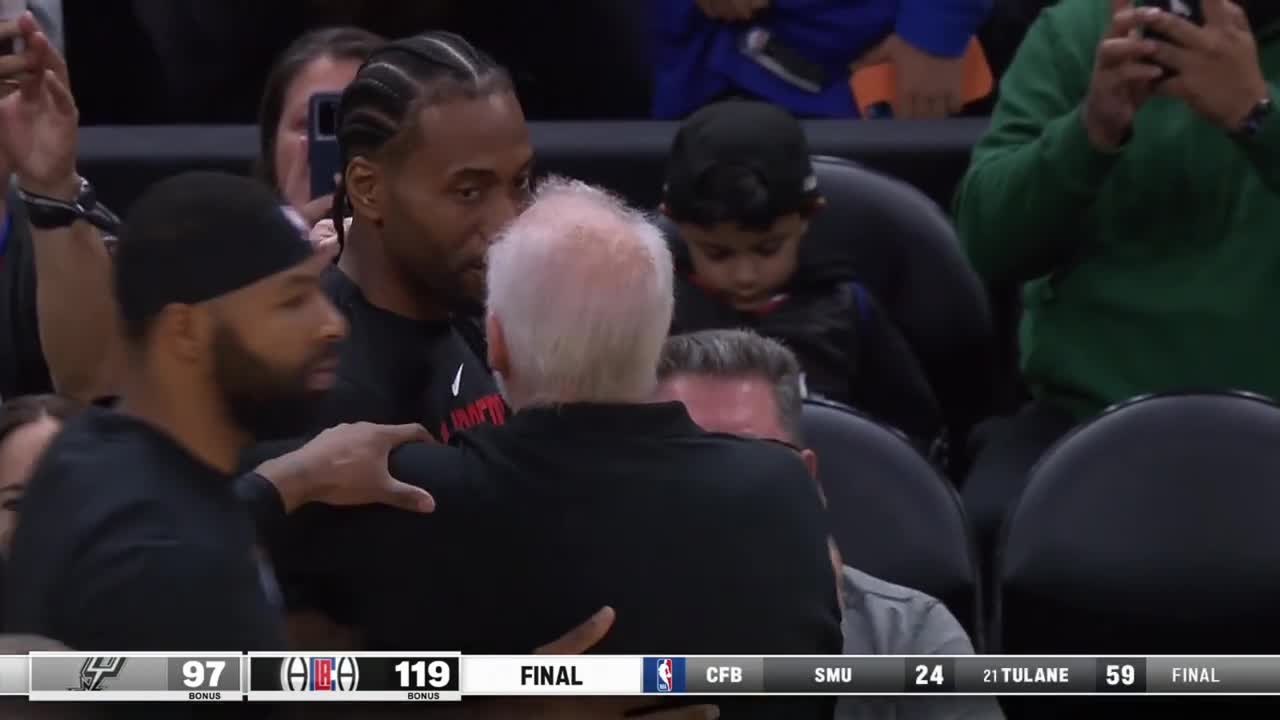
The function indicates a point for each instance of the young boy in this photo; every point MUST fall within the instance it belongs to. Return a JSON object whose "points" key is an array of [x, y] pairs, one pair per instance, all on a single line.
{"points": [[740, 191]]}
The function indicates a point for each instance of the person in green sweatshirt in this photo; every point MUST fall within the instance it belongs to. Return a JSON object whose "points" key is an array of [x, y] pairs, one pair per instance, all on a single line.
{"points": [[1130, 185]]}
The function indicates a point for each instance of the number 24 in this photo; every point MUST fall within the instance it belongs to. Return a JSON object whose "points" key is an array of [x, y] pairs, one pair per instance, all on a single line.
{"points": [[927, 676]]}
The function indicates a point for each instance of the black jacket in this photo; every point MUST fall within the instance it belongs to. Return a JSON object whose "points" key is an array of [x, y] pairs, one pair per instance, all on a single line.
{"points": [[702, 543], [850, 351]]}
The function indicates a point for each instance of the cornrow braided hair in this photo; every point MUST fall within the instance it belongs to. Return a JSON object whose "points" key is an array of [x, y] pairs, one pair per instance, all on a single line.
{"points": [[395, 83]]}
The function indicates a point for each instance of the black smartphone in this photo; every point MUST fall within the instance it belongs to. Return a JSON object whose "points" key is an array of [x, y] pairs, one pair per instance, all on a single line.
{"points": [[784, 62], [11, 10], [322, 142], [1188, 10]]}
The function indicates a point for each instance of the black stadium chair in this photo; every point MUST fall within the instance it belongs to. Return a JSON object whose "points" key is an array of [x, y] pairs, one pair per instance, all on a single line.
{"points": [[903, 248], [1153, 529], [892, 514]]}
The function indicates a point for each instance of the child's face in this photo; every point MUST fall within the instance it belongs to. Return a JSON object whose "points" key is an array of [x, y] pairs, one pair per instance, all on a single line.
{"points": [[747, 266]]}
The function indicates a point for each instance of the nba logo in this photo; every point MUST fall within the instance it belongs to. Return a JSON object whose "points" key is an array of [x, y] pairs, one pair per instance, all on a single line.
{"points": [[322, 674], [664, 675]]}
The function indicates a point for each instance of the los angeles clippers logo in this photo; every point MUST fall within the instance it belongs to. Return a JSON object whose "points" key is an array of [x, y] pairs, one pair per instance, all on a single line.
{"points": [[324, 674], [96, 670]]}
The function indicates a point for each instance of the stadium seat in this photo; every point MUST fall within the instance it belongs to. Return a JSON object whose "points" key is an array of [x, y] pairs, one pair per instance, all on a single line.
{"points": [[892, 514], [1153, 529], [903, 248]]}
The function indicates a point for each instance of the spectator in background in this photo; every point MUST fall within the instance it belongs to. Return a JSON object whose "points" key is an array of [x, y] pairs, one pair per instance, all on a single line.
{"points": [[740, 189], [1138, 210], [799, 53], [321, 61], [27, 425], [55, 273], [734, 381]]}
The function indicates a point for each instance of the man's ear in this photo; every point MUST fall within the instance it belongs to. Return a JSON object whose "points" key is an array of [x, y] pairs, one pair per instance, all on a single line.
{"points": [[810, 459], [365, 184], [185, 331], [499, 360], [815, 207]]}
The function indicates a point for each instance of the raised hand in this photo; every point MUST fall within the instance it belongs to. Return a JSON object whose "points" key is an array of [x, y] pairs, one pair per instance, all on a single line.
{"points": [[1217, 69], [38, 115], [1124, 77]]}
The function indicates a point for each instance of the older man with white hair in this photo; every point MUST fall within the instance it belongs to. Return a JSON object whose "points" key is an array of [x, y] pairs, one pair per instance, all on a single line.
{"points": [[593, 495]]}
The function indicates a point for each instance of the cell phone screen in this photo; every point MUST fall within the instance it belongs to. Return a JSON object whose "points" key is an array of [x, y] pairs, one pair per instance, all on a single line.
{"points": [[324, 155], [1189, 10], [11, 10]]}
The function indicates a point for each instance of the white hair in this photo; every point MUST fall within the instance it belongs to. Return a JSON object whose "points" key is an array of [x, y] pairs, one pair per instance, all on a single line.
{"points": [[581, 286]]}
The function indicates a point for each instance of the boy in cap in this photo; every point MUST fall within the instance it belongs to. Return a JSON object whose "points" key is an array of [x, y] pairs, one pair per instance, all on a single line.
{"points": [[741, 191]]}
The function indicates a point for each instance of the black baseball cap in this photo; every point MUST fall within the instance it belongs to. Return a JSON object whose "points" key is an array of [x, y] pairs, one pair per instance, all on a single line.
{"points": [[759, 136]]}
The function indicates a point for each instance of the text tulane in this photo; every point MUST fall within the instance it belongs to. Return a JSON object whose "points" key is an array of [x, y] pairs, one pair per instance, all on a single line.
{"points": [[1038, 675]]}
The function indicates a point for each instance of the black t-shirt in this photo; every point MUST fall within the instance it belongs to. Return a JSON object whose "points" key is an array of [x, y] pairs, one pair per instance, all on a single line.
{"points": [[393, 370], [128, 542]]}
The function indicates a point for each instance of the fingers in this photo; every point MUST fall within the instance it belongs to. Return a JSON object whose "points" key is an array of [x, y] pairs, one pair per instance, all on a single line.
{"points": [[1116, 52], [1224, 14], [12, 66], [1179, 31], [50, 58], [395, 435], [408, 497], [1124, 22], [63, 102], [315, 211], [582, 638], [1172, 56]]}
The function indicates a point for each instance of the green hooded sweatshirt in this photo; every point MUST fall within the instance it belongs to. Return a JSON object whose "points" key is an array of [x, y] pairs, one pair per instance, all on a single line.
{"points": [[1155, 268]]}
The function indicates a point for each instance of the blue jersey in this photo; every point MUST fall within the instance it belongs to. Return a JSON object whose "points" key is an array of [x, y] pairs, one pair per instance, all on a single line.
{"points": [[698, 59]]}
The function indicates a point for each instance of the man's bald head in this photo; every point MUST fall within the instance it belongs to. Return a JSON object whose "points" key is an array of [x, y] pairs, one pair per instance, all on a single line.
{"points": [[580, 299]]}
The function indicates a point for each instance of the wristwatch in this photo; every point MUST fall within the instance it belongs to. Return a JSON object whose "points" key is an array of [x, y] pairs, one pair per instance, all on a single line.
{"points": [[1256, 119], [46, 213]]}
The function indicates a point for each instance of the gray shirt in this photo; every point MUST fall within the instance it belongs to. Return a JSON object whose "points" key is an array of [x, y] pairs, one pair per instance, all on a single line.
{"points": [[881, 618]]}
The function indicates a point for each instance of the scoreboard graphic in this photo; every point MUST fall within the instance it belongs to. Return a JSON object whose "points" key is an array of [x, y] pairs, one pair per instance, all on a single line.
{"points": [[447, 677], [355, 676]]}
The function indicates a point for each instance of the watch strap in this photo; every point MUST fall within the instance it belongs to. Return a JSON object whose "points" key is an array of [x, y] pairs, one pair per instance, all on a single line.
{"points": [[47, 213], [1257, 117]]}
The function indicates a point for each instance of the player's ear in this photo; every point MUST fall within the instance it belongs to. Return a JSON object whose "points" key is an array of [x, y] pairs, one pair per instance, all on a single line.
{"points": [[498, 358]]}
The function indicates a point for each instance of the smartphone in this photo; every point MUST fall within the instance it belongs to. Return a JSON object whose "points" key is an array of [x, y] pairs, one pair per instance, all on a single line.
{"points": [[782, 61], [11, 10], [322, 142], [1189, 10]]}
